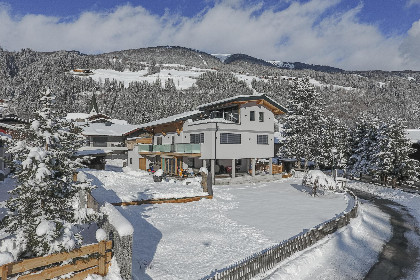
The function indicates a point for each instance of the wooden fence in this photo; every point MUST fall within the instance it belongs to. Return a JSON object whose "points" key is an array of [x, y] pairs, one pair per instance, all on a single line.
{"points": [[81, 262], [268, 258]]}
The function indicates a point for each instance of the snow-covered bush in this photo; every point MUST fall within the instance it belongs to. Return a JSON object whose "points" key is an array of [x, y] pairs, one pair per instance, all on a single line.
{"points": [[44, 205], [318, 180]]}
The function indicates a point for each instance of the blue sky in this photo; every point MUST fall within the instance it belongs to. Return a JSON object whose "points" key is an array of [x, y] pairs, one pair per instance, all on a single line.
{"points": [[353, 35]]}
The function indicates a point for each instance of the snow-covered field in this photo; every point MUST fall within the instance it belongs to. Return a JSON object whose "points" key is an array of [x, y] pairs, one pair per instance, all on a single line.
{"points": [[127, 185], [184, 77], [189, 241]]}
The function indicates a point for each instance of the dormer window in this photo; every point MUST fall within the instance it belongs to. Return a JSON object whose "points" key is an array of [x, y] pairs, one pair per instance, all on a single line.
{"points": [[252, 116], [261, 118]]}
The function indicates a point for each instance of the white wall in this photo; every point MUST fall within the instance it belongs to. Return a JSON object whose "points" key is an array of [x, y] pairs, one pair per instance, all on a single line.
{"points": [[248, 130], [134, 156]]}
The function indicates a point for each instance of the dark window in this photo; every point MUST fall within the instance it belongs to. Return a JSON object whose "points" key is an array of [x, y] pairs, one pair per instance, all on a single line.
{"points": [[159, 140], [131, 161], [262, 139], [252, 116], [261, 116], [230, 138], [197, 138], [191, 162]]}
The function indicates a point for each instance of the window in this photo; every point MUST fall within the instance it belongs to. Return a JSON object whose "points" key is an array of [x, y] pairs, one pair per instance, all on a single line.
{"points": [[230, 138], [262, 139], [131, 161], [252, 116], [261, 116], [197, 138], [159, 140], [191, 163]]}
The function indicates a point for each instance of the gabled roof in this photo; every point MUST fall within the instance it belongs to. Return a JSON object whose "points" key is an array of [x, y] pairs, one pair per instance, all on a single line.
{"points": [[262, 99], [174, 118], [102, 129]]}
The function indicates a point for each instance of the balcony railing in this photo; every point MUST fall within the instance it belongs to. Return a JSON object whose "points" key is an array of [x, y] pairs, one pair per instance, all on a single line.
{"points": [[183, 148], [188, 148]]}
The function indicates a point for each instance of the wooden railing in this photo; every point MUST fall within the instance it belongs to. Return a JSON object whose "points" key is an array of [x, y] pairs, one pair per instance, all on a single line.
{"points": [[91, 259]]}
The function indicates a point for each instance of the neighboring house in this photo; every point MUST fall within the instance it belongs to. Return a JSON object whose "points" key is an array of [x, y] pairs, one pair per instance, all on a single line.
{"points": [[110, 137], [102, 132], [227, 136]]}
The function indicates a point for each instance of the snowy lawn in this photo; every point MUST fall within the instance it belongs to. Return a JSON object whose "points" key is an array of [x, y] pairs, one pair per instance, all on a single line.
{"points": [[189, 241], [126, 185]]}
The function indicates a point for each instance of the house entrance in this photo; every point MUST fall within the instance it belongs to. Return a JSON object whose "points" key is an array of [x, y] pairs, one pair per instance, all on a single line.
{"points": [[142, 164]]}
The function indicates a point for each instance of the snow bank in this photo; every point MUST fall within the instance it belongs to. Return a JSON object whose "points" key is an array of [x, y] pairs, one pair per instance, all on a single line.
{"points": [[347, 254], [121, 224], [318, 178]]}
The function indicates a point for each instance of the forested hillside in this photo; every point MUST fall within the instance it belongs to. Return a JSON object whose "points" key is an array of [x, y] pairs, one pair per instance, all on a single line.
{"points": [[345, 94]]}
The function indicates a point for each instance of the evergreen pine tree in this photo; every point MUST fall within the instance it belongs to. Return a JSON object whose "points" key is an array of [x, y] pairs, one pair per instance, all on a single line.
{"points": [[44, 205], [390, 158], [362, 146], [302, 126]]}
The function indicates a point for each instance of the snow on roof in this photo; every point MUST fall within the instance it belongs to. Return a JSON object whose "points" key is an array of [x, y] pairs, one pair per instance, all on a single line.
{"points": [[413, 135], [81, 152], [75, 116], [174, 118], [243, 98], [109, 130]]}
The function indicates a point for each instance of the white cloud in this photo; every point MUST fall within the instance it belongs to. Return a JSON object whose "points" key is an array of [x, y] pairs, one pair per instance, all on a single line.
{"points": [[300, 32], [413, 2]]}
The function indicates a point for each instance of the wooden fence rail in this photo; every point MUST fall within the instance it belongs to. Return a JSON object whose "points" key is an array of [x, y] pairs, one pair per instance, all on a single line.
{"points": [[86, 260], [268, 258]]}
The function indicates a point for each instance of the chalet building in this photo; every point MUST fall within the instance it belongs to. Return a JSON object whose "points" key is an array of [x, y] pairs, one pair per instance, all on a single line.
{"points": [[103, 134], [227, 136]]}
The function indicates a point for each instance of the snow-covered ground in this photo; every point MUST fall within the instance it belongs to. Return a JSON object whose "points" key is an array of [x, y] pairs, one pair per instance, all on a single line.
{"points": [[182, 78], [409, 200], [127, 185], [347, 254], [189, 241]]}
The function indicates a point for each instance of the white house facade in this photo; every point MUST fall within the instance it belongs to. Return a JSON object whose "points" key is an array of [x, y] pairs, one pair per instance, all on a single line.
{"points": [[227, 137]]}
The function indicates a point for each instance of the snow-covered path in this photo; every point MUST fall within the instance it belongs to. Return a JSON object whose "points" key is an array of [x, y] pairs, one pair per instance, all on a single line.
{"points": [[353, 252]]}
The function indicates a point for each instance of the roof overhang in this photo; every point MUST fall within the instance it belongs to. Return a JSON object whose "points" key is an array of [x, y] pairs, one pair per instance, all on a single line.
{"points": [[263, 100]]}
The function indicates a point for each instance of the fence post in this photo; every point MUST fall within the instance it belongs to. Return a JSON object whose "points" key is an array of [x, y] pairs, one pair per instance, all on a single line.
{"points": [[102, 258], [5, 271]]}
